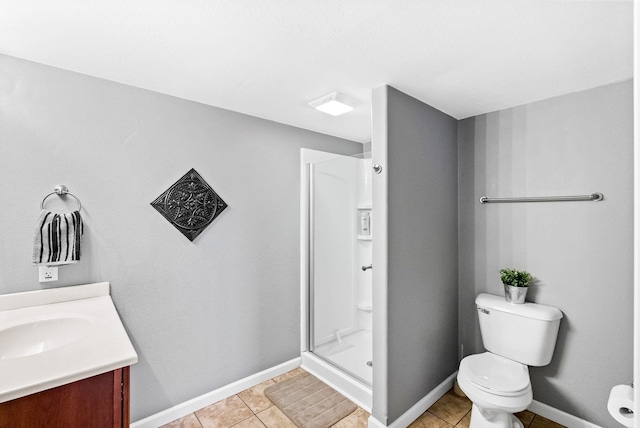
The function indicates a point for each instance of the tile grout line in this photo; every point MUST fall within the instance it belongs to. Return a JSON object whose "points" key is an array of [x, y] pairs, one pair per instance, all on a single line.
{"points": [[198, 419], [245, 419], [465, 415], [439, 418], [255, 414]]}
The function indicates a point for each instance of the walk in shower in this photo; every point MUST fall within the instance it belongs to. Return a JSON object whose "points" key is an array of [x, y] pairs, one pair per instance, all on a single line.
{"points": [[337, 280]]}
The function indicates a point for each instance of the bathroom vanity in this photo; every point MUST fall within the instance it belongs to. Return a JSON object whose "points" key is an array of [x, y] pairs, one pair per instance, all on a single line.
{"points": [[64, 359], [98, 401]]}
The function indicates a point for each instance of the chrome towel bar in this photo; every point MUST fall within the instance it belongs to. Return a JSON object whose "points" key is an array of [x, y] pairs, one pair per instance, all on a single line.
{"points": [[594, 197]]}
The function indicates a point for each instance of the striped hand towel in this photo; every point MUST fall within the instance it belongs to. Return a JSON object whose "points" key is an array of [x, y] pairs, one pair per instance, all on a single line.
{"points": [[57, 238]]}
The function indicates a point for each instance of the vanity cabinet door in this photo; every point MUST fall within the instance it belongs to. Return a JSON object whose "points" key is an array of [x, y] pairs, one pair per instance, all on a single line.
{"points": [[97, 402]]}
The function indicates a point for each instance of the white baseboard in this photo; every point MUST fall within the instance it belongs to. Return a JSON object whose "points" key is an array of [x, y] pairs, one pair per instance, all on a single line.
{"points": [[536, 407], [419, 408], [559, 416], [374, 423], [183, 409]]}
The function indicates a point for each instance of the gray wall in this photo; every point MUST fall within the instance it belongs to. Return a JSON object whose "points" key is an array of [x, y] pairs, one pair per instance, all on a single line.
{"points": [[417, 195], [579, 252], [201, 314]]}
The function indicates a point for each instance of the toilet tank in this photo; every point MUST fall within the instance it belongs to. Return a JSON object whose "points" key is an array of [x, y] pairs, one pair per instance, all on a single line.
{"points": [[525, 332]]}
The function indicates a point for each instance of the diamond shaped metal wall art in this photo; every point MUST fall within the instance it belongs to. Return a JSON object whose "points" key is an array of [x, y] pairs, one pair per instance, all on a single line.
{"points": [[190, 204]]}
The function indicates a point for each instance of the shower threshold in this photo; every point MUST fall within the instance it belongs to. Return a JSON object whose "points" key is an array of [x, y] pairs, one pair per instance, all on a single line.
{"points": [[352, 353], [352, 388]]}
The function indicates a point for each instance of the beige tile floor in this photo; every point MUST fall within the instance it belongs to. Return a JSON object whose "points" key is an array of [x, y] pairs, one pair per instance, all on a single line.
{"points": [[251, 409]]}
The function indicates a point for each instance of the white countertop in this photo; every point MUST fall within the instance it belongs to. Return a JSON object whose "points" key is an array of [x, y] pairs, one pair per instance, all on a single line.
{"points": [[83, 337]]}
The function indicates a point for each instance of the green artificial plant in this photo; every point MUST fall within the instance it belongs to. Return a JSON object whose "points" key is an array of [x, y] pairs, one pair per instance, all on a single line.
{"points": [[514, 277]]}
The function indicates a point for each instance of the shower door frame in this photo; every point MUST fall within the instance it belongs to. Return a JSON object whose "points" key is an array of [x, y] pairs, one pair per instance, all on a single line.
{"points": [[331, 374]]}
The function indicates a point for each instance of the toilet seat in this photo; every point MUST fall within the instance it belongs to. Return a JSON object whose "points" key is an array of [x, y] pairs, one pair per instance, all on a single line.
{"points": [[479, 373], [495, 374]]}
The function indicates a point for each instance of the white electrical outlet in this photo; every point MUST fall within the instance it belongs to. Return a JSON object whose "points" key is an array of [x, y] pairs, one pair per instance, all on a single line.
{"points": [[47, 273]]}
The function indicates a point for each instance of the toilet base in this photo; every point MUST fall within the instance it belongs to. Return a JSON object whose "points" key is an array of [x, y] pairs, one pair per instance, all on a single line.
{"points": [[493, 419]]}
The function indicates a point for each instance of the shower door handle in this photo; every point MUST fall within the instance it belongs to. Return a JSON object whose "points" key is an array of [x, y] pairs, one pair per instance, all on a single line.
{"points": [[364, 268]]}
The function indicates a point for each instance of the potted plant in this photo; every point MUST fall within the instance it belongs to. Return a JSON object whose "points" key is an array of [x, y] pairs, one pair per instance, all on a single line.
{"points": [[516, 283]]}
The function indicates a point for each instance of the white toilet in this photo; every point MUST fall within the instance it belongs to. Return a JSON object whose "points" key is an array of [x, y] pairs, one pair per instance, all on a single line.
{"points": [[516, 336]]}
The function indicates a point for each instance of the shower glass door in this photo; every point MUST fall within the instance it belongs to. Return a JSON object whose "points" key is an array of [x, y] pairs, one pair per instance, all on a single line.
{"points": [[340, 255]]}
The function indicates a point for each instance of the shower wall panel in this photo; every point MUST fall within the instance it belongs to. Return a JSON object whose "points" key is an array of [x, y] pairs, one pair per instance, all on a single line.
{"points": [[335, 194]]}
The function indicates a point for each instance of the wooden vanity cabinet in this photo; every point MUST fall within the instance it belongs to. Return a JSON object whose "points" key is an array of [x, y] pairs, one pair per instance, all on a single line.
{"points": [[96, 402]]}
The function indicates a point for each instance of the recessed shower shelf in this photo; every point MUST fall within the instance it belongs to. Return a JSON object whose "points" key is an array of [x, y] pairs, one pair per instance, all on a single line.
{"points": [[365, 307], [365, 206], [364, 237]]}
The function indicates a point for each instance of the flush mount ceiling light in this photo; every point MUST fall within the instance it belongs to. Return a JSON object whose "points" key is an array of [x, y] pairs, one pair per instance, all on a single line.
{"points": [[334, 104]]}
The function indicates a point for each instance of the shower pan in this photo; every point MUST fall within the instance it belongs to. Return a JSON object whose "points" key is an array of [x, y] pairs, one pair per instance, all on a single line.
{"points": [[337, 271]]}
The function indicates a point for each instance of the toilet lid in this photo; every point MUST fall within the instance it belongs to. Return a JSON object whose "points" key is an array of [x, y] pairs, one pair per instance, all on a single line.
{"points": [[495, 373]]}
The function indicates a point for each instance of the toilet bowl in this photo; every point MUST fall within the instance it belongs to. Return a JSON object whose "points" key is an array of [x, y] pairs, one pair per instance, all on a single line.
{"points": [[498, 387], [497, 381]]}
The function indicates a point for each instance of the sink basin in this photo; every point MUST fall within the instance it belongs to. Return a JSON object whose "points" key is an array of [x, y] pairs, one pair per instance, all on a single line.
{"points": [[41, 335], [56, 336]]}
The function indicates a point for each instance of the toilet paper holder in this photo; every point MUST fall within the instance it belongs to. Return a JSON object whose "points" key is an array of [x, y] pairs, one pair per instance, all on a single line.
{"points": [[625, 410], [620, 404]]}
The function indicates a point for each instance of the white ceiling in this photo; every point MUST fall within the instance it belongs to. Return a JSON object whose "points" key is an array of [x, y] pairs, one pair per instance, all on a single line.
{"points": [[269, 58]]}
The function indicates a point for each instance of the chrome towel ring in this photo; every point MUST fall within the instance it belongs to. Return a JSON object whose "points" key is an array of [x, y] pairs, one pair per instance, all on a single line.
{"points": [[61, 190]]}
